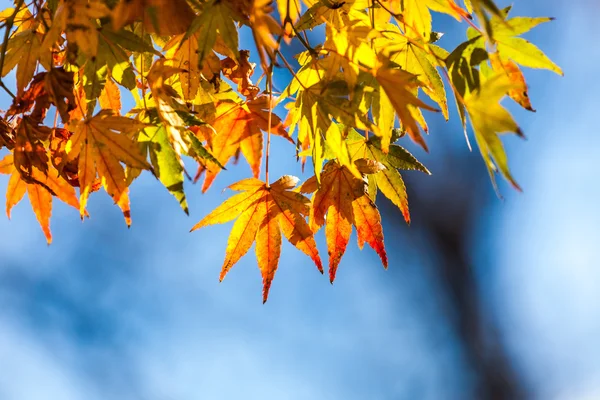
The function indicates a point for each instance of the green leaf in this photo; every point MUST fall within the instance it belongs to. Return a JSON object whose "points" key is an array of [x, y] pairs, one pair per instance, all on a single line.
{"points": [[462, 66], [199, 152], [388, 181], [94, 79], [166, 163], [130, 41], [215, 17]]}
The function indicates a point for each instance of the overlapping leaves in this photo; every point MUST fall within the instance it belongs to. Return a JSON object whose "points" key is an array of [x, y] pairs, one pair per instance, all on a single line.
{"points": [[376, 76]]}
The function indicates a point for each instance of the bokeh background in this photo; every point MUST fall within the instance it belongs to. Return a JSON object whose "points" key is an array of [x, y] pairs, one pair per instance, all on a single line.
{"points": [[484, 297]]}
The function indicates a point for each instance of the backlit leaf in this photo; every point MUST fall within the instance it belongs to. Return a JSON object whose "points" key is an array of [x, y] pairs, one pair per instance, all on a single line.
{"points": [[262, 213]]}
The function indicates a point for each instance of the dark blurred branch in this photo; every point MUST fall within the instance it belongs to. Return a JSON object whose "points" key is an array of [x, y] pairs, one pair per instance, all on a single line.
{"points": [[446, 212]]}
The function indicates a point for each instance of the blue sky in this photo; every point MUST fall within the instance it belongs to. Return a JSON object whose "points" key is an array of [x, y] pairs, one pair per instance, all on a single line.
{"points": [[107, 312]]}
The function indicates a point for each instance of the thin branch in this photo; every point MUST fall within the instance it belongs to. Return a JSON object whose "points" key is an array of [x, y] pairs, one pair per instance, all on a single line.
{"points": [[291, 69], [269, 121], [8, 27]]}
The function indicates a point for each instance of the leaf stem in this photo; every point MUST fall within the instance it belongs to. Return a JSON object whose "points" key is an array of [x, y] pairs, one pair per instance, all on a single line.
{"points": [[269, 121], [8, 27], [289, 67]]}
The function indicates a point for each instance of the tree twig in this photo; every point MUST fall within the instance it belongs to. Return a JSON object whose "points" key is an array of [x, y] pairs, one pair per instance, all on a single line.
{"points": [[10, 21]]}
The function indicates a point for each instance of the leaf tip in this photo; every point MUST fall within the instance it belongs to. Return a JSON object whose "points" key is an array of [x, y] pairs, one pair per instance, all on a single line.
{"points": [[332, 272], [517, 187]]}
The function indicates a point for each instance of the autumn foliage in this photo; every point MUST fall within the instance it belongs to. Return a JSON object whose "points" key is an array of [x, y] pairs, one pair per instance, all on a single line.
{"points": [[369, 75]]}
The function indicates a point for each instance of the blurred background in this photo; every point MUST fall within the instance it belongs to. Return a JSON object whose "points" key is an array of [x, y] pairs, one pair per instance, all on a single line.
{"points": [[485, 298]]}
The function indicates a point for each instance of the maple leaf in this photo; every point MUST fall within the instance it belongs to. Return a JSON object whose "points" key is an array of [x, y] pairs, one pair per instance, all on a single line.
{"points": [[59, 85], [414, 55], [184, 55], [514, 73], [416, 14], [345, 200], [337, 13], [482, 8], [110, 97], [165, 162], [489, 119], [77, 19], [168, 105], [101, 144], [24, 50], [464, 61], [54, 87], [317, 106], [112, 60], [29, 150], [214, 18], [398, 85], [388, 180], [239, 127], [41, 188], [462, 66], [240, 73], [511, 47], [164, 17], [263, 26], [263, 212]]}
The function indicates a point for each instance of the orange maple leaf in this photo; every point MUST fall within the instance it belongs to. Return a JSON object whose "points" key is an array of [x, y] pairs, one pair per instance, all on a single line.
{"points": [[239, 127], [344, 198], [101, 144], [40, 187], [262, 213], [519, 92]]}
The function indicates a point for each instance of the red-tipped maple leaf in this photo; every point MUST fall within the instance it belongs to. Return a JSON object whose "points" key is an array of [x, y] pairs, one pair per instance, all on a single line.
{"points": [[344, 198], [40, 187]]}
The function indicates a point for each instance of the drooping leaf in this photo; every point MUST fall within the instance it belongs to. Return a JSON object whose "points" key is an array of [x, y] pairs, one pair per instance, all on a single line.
{"points": [[214, 18], [388, 180], [40, 188], [489, 119], [397, 85], [77, 19], [345, 200], [165, 162], [263, 213], [520, 92], [510, 46]]}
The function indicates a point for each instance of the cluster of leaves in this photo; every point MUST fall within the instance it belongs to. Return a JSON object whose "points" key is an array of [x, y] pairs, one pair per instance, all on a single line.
{"points": [[350, 99]]}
